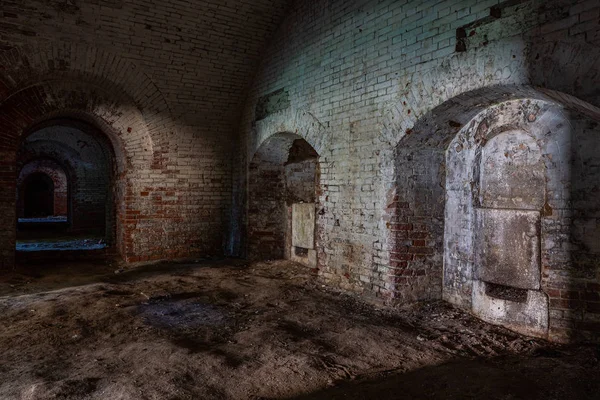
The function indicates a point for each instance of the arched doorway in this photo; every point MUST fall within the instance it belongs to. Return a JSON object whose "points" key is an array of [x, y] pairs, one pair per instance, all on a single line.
{"points": [[79, 159], [282, 200], [53, 222], [38, 196], [54, 171], [115, 116]]}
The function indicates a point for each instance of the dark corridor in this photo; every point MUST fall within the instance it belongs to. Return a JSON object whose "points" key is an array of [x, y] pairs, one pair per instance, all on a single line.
{"points": [[39, 197]]}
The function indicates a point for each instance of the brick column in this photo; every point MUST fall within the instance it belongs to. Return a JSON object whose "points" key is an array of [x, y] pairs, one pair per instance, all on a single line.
{"points": [[7, 211]]}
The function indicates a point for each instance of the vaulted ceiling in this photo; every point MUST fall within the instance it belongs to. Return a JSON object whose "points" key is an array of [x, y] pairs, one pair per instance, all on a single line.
{"points": [[201, 54]]}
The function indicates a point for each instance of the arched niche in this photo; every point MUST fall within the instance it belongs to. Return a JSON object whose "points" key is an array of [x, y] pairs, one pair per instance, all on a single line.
{"points": [[283, 179], [494, 192], [494, 227], [60, 181], [38, 193]]}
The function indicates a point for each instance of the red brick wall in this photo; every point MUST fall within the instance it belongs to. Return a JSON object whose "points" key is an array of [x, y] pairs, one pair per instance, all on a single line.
{"points": [[164, 81], [267, 211]]}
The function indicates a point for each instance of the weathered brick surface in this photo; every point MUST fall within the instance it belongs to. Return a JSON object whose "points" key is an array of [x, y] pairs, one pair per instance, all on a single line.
{"points": [[379, 90], [163, 80], [359, 75], [282, 173]]}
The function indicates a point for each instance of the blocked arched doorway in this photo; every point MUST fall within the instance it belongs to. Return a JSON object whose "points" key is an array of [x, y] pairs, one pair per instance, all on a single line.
{"points": [[283, 180], [38, 196], [497, 197], [508, 204], [504, 160]]}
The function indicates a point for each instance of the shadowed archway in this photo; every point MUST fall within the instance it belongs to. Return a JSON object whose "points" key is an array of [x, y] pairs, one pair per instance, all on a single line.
{"points": [[282, 192], [452, 203]]}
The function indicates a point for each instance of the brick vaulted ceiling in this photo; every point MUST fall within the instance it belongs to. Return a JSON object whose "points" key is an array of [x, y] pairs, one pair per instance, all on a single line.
{"points": [[200, 54]]}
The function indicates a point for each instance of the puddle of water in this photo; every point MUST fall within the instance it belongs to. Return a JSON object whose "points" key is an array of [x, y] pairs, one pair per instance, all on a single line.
{"points": [[61, 245], [42, 220]]}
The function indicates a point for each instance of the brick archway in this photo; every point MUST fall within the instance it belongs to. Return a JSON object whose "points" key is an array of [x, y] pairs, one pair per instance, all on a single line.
{"points": [[282, 198], [432, 216], [60, 182], [55, 102]]}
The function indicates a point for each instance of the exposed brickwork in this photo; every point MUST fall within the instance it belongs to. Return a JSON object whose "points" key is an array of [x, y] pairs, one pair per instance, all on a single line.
{"points": [[415, 226], [284, 171], [571, 262], [165, 81], [267, 212], [359, 75], [376, 88]]}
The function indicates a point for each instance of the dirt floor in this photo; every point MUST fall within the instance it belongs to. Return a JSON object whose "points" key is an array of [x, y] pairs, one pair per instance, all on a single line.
{"points": [[230, 330]]}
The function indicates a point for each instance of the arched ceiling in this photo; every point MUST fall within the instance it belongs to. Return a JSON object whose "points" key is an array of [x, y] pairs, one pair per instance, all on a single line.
{"points": [[201, 54]]}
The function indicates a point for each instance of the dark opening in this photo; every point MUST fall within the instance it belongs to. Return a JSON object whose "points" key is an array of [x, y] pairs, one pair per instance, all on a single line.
{"points": [[39, 197], [300, 251], [506, 292], [78, 213]]}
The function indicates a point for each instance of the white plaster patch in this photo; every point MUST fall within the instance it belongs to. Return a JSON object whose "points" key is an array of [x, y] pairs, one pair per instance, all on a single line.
{"points": [[303, 225], [529, 318]]}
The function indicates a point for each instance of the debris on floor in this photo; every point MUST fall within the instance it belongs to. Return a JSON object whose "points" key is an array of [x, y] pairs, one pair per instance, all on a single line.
{"points": [[230, 330]]}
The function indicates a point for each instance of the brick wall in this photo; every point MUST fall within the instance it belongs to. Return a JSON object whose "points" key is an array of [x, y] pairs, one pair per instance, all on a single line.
{"points": [[165, 81], [170, 83], [359, 75], [571, 262]]}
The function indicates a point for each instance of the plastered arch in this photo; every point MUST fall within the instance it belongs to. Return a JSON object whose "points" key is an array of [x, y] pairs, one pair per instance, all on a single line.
{"points": [[298, 122], [433, 173], [419, 193]]}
